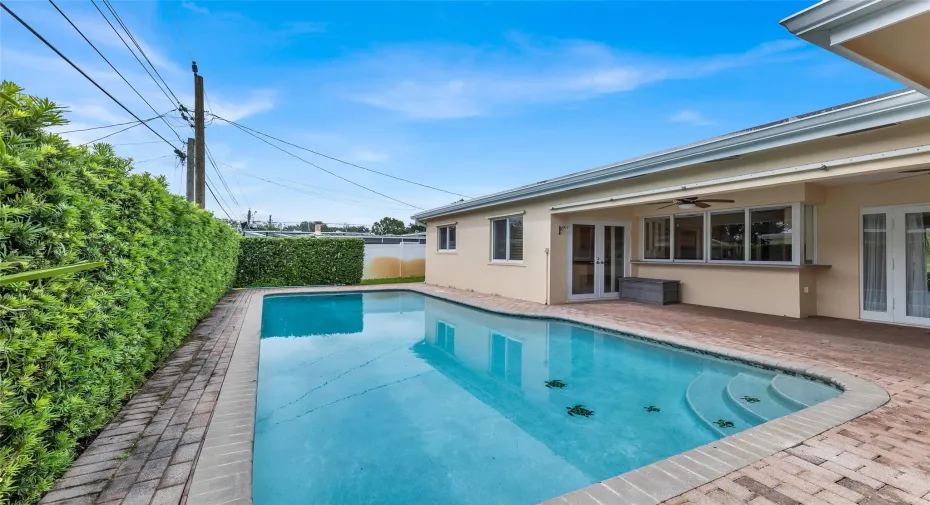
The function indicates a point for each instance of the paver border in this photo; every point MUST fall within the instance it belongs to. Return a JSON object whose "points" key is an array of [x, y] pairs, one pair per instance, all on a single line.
{"points": [[223, 471]]}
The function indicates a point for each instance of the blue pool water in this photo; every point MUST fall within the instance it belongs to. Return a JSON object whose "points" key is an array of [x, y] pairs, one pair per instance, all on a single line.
{"points": [[395, 398]]}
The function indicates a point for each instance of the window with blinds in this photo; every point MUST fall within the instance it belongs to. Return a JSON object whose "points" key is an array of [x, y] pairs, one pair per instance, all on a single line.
{"points": [[446, 238], [507, 239]]}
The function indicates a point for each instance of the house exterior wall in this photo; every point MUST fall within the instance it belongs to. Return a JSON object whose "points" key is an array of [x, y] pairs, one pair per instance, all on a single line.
{"points": [[793, 292], [838, 241]]}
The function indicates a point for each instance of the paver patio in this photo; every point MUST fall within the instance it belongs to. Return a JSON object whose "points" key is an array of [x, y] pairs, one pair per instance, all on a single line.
{"points": [[147, 453]]}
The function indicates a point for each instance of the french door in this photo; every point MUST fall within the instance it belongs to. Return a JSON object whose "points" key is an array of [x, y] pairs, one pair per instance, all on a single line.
{"points": [[597, 256], [895, 264]]}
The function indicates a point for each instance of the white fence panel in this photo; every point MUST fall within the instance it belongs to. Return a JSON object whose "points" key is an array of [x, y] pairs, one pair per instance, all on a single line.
{"points": [[394, 260]]}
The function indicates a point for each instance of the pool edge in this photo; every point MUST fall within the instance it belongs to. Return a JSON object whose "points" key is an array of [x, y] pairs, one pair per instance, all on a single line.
{"points": [[223, 470]]}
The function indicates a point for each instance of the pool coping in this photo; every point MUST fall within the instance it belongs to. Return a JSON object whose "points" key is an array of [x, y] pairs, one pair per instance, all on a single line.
{"points": [[223, 471]]}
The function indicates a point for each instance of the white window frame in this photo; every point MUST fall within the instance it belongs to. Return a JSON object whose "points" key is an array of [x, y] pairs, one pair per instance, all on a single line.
{"points": [[439, 230], [445, 336], [704, 235], [506, 238], [797, 236], [671, 238]]}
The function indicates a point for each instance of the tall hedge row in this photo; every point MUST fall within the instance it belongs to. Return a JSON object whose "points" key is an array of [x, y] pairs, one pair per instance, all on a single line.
{"points": [[269, 261], [72, 348]]}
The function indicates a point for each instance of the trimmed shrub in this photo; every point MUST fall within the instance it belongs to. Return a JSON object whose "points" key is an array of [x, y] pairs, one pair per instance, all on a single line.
{"points": [[269, 261], [74, 347]]}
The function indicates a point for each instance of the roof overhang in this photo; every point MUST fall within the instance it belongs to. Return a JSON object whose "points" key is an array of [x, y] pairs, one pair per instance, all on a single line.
{"points": [[887, 36], [862, 115]]}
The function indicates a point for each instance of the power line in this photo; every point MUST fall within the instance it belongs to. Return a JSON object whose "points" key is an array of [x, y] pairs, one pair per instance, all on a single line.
{"points": [[62, 56], [151, 159], [325, 197], [139, 47], [177, 25], [222, 179], [321, 168], [341, 161], [112, 125], [120, 131], [113, 67], [217, 200], [131, 51]]}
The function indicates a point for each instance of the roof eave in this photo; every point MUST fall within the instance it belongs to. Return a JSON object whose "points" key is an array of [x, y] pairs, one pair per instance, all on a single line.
{"points": [[894, 108]]}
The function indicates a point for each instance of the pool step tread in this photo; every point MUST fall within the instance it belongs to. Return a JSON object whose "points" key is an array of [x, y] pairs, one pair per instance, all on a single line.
{"points": [[706, 397], [802, 391], [769, 406]]}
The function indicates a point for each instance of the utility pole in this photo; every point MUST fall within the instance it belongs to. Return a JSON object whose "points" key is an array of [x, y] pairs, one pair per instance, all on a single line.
{"points": [[200, 141], [191, 174]]}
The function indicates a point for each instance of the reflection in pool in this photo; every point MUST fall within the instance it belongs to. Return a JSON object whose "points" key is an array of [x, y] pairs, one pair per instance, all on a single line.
{"points": [[398, 398]]}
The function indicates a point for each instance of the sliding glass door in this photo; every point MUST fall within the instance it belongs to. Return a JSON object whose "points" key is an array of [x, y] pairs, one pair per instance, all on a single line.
{"points": [[597, 258], [895, 264]]}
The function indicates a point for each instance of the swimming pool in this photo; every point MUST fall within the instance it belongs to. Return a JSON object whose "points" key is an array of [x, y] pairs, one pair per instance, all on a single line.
{"points": [[399, 398]]}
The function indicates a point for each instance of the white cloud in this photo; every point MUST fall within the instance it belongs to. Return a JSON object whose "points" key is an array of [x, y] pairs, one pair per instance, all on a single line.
{"points": [[191, 6], [257, 101], [690, 116], [457, 81]]}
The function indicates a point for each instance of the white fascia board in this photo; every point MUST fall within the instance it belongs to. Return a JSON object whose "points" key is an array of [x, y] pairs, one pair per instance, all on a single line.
{"points": [[887, 109], [832, 22]]}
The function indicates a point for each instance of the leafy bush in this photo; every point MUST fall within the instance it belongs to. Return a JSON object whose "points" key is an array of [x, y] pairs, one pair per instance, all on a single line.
{"points": [[73, 347], [300, 261]]}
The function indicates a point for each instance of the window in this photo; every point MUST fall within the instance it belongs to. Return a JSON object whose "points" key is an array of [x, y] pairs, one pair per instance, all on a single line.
{"points": [[507, 358], [507, 239], [689, 237], [810, 235], [778, 234], [657, 239], [770, 234], [446, 238], [445, 337], [728, 236]]}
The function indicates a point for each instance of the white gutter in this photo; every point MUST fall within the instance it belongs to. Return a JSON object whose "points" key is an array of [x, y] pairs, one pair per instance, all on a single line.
{"points": [[824, 166], [882, 110]]}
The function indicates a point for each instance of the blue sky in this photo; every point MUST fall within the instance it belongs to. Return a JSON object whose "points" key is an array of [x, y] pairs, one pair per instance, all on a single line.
{"points": [[471, 97]]}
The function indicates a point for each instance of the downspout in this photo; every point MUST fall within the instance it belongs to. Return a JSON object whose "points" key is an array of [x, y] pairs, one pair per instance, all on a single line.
{"points": [[547, 276]]}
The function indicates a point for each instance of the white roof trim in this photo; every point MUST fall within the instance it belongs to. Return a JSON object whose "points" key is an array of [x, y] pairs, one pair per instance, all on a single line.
{"points": [[877, 111], [833, 22]]}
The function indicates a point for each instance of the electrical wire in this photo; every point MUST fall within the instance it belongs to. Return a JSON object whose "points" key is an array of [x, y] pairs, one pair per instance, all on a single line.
{"points": [[323, 169], [339, 160], [152, 159], [119, 131], [217, 200], [220, 175], [112, 125], [177, 25], [170, 100], [139, 47], [62, 56], [113, 67], [325, 197]]}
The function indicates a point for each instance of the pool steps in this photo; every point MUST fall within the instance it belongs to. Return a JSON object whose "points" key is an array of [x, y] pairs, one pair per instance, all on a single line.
{"points": [[716, 395]]}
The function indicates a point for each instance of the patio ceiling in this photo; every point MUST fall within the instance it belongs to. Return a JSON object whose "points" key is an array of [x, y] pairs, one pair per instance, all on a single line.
{"points": [[887, 36]]}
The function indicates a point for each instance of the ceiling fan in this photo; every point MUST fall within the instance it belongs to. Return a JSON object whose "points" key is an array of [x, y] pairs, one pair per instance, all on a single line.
{"points": [[690, 202]]}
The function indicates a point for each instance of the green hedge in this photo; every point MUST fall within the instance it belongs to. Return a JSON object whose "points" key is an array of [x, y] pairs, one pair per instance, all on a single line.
{"points": [[74, 347], [300, 261]]}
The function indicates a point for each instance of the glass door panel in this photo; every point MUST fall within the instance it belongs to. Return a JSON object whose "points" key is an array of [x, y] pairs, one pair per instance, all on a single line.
{"points": [[614, 261], [874, 266], [917, 265], [583, 260]]}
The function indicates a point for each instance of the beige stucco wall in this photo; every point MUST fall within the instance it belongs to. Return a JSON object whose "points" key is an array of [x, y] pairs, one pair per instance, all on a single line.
{"points": [[829, 292], [838, 240]]}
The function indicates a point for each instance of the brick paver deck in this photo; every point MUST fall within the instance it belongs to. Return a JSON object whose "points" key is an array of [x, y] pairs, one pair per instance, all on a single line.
{"points": [[146, 455]]}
